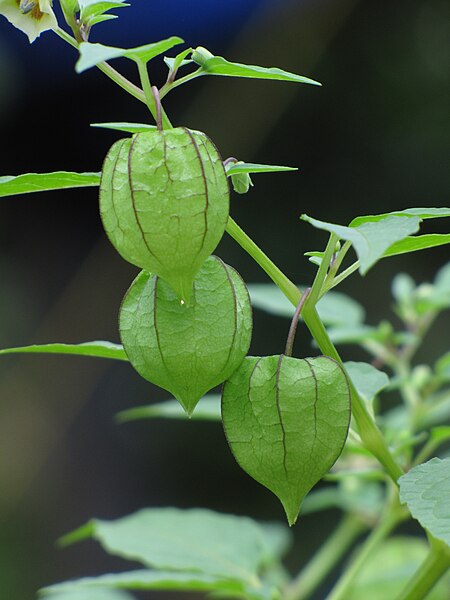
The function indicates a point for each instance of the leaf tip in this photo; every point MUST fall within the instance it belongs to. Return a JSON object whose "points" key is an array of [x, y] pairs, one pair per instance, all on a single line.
{"points": [[82, 533]]}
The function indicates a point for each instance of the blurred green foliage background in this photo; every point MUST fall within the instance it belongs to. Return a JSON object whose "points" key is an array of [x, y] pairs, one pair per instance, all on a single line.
{"points": [[375, 138]]}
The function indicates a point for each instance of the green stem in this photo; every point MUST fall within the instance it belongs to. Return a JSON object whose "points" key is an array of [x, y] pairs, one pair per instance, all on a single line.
{"points": [[380, 533], [147, 87], [370, 435], [122, 82], [428, 574], [150, 98], [289, 289], [169, 86], [322, 273], [340, 257], [114, 75], [340, 278], [325, 559], [118, 79]]}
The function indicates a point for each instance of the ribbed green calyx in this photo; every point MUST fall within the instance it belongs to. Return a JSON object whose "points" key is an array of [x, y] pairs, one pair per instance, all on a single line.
{"points": [[286, 420], [187, 349], [164, 202]]}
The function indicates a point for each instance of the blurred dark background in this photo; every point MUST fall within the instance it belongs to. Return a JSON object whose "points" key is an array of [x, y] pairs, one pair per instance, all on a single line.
{"points": [[374, 138]]}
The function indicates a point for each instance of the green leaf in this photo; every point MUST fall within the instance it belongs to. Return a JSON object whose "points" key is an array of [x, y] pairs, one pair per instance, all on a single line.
{"points": [[240, 168], [42, 182], [94, 54], [179, 61], [334, 308], [190, 195], [194, 540], [241, 183], [92, 9], [72, 591], [208, 409], [217, 65], [94, 349], [419, 242], [126, 127], [421, 213], [440, 434], [371, 239], [442, 367], [187, 349], [367, 380], [351, 495], [144, 580], [101, 19], [353, 334], [403, 287], [240, 173], [436, 410], [391, 566], [426, 491], [286, 421], [442, 279]]}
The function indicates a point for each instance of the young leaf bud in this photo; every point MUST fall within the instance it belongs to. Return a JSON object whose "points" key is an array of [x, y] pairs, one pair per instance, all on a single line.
{"points": [[200, 55]]}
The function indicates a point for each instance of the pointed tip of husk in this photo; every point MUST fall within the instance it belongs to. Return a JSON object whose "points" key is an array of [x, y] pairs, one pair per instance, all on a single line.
{"points": [[292, 511], [183, 288]]}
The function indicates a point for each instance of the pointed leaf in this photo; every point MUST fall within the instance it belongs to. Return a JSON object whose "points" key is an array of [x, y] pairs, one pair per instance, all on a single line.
{"points": [[179, 61], [286, 421], [94, 349], [208, 409], [217, 65], [42, 182], [426, 491], [419, 242], [371, 239], [422, 213], [126, 127], [194, 540], [242, 167], [142, 580], [90, 10], [94, 54]]}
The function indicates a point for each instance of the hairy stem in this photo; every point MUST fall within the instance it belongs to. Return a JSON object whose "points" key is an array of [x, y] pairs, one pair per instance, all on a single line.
{"points": [[326, 558]]}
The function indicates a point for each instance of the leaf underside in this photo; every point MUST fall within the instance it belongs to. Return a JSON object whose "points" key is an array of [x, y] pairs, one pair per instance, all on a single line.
{"points": [[426, 491]]}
